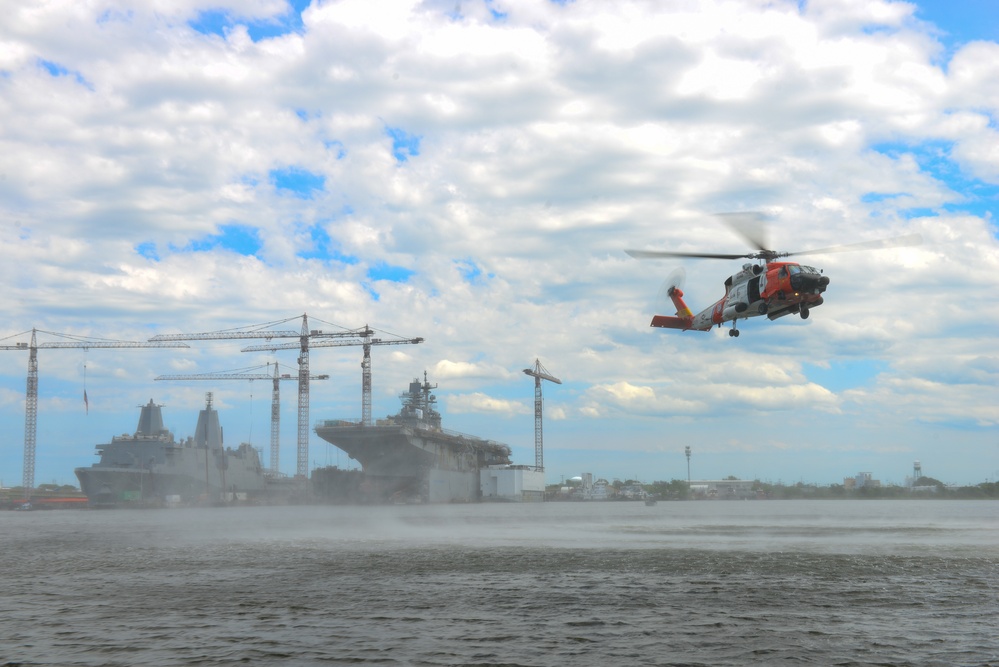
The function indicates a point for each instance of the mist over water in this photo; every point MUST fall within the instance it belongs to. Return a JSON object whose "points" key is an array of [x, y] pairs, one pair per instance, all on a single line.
{"points": [[686, 583]]}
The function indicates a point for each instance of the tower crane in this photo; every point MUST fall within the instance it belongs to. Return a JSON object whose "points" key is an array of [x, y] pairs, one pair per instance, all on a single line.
{"points": [[31, 393], [275, 398], [539, 373], [367, 342], [304, 336]]}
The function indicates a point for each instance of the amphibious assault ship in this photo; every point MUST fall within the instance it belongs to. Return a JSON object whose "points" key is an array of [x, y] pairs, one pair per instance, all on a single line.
{"points": [[408, 457], [151, 468]]}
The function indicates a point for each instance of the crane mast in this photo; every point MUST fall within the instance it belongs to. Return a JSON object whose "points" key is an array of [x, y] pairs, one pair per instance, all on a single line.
{"points": [[31, 390], [302, 461], [366, 386], [275, 459], [30, 420], [539, 373]]}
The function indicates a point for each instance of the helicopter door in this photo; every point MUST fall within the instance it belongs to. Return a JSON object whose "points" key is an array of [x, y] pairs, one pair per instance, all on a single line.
{"points": [[754, 289]]}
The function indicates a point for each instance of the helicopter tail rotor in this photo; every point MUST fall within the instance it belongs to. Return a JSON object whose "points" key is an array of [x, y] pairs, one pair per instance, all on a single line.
{"points": [[671, 298], [673, 284]]}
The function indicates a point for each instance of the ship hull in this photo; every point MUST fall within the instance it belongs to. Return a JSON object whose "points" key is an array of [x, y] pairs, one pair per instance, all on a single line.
{"points": [[412, 464], [151, 468], [181, 482]]}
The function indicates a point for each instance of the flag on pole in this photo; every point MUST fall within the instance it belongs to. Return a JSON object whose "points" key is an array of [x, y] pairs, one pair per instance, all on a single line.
{"points": [[86, 403]]}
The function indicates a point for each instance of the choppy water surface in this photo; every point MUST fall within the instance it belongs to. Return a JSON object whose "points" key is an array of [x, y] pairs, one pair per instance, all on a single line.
{"points": [[693, 583]]}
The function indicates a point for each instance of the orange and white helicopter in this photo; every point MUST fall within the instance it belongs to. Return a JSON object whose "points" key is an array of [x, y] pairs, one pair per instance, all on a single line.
{"points": [[771, 287]]}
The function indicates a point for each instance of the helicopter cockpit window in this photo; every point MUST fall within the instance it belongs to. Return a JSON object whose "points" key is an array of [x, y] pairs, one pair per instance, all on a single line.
{"points": [[809, 269], [794, 269]]}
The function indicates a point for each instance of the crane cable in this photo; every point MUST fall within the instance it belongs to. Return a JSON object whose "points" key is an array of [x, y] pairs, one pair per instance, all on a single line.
{"points": [[86, 403]]}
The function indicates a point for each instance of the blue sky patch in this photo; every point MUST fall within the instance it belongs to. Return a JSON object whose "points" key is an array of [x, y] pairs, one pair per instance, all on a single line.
{"points": [[241, 239], [336, 146], [385, 272], [843, 375], [289, 22], [497, 15], [395, 274], [878, 197], [961, 22], [470, 271], [404, 145], [303, 184], [219, 22], [148, 250], [934, 158], [57, 70], [211, 22], [324, 248]]}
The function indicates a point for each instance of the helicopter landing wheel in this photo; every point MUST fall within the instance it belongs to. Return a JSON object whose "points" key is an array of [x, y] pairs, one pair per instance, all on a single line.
{"points": [[763, 308], [734, 333], [804, 312]]}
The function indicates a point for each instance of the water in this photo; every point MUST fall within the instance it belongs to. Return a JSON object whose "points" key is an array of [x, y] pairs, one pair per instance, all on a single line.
{"points": [[692, 583]]}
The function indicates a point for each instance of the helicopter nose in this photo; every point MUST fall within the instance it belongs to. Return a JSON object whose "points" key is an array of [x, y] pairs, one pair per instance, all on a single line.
{"points": [[819, 283], [809, 282]]}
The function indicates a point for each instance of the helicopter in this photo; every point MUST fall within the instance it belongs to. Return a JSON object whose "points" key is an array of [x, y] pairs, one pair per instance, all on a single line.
{"points": [[770, 287]]}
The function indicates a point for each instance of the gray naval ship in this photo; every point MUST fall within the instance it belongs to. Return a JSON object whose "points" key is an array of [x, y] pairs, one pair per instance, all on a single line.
{"points": [[407, 457], [150, 468]]}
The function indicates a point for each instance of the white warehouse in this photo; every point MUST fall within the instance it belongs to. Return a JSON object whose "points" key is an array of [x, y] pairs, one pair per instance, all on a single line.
{"points": [[512, 483]]}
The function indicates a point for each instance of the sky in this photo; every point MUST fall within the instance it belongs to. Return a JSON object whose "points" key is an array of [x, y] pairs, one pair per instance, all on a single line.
{"points": [[471, 173]]}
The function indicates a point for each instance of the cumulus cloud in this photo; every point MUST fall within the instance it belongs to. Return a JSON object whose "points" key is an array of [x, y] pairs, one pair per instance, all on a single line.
{"points": [[481, 403], [470, 175]]}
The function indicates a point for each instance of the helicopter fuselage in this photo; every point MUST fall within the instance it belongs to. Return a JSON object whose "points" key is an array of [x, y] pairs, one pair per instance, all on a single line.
{"points": [[773, 289]]}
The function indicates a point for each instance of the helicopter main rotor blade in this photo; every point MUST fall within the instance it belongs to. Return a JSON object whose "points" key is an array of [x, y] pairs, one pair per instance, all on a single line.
{"points": [[750, 225], [892, 242], [659, 254]]}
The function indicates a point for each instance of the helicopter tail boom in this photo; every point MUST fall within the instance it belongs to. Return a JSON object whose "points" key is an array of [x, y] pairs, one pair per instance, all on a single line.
{"points": [[667, 322]]}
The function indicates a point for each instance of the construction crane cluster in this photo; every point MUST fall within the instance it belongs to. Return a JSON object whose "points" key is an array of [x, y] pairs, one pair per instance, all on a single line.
{"points": [[307, 339]]}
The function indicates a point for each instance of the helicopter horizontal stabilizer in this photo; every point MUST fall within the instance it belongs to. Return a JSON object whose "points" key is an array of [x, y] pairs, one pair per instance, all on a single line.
{"points": [[667, 322]]}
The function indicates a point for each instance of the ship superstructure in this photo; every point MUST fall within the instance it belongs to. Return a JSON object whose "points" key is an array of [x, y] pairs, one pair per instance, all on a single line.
{"points": [[151, 468], [410, 457]]}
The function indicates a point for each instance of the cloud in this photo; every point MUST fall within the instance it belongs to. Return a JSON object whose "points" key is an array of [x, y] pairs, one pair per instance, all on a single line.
{"points": [[450, 370], [473, 177], [481, 403]]}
